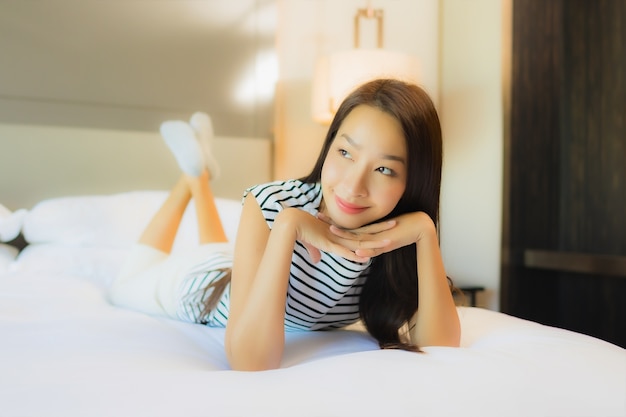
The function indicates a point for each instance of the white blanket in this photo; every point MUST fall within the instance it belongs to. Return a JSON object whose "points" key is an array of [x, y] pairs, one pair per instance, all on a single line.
{"points": [[65, 351]]}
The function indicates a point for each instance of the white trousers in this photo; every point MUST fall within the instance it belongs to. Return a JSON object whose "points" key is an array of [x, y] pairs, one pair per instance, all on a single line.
{"points": [[150, 279]]}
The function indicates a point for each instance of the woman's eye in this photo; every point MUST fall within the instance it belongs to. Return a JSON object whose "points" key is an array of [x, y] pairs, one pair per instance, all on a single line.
{"points": [[345, 153], [385, 171]]}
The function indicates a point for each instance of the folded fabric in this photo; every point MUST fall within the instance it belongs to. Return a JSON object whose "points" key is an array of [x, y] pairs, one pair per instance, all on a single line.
{"points": [[10, 223], [7, 256], [115, 220], [96, 264]]}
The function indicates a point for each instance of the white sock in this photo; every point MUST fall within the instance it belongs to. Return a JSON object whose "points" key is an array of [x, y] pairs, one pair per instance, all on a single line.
{"points": [[203, 126], [182, 141]]}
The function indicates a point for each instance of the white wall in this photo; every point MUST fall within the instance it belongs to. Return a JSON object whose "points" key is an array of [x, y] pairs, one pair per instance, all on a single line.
{"points": [[459, 45], [40, 162], [132, 64], [309, 29], [474, 48]]}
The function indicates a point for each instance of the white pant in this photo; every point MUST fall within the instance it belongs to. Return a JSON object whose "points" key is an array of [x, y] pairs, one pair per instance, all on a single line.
{"points": [[150, 279]]}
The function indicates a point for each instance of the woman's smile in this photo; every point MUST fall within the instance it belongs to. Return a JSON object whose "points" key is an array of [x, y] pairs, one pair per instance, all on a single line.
{"points": [[349, 208]]}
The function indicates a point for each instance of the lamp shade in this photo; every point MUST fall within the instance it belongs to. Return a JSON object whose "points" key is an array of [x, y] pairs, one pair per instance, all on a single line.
{"points": [[336, 75]]}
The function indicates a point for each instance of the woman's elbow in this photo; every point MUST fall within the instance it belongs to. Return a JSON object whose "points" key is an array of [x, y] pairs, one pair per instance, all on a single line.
{"points": [[245, 355], [445, 336], [442, 341], [451, 341], [251, 362], [251, 366], [449, 338]]}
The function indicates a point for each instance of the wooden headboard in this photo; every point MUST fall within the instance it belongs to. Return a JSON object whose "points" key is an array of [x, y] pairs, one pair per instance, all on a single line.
{"points": [[40, 162]]}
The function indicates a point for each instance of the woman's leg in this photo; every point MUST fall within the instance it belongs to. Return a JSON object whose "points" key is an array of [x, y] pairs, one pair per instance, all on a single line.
{"points": [[150, 279], [162, 228], [161, 231], [190, 144], [142, 281], [202, 124], [210, 228]]}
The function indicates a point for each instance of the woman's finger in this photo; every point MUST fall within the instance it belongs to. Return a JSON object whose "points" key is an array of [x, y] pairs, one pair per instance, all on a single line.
{"points": [[371, 252], [364, 245], [350, 255], [359, 240], [323, 217], [374, 228], [371, 229], [314, 252]]}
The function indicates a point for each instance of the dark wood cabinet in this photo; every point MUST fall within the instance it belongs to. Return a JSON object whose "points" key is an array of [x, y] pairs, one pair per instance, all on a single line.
{"points": [[564, 242]]}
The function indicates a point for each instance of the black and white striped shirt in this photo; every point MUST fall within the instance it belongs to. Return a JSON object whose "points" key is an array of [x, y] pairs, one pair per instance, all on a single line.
{"points": [[320, 296]]}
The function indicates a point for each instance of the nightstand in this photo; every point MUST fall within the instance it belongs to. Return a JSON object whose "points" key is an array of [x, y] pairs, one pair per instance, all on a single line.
{"points": [[471, 291]]}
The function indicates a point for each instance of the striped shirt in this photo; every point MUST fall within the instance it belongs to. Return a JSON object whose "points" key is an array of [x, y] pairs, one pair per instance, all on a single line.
{"points": [[321, 295]]}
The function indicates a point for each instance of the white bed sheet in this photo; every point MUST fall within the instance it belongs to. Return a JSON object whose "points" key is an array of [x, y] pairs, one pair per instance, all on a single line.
{"points": [[65, 351]]}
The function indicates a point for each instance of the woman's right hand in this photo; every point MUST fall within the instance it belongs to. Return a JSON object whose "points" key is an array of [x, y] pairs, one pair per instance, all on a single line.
{"points": [[315, 234]]}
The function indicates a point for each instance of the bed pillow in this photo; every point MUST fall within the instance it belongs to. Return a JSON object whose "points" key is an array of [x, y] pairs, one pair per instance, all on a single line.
{"points": [[10, 223], [8, 254], [113, 220], [97, 264]]}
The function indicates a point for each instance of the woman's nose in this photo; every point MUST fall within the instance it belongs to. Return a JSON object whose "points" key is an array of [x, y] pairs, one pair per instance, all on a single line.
{"points": [[355, 182]]}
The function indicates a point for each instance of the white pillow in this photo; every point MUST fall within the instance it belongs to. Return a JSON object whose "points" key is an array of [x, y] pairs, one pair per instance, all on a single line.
{"points": [[98, 264], [8, 254], [10, 223], [113, 220]]}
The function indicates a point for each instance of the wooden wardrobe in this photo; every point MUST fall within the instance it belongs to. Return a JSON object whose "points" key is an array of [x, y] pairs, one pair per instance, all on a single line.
{"points": [[564, 234]]}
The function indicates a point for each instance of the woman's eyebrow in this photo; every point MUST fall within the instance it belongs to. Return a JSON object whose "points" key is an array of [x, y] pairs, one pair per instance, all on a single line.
{"points": [[383, 156], [351, 141]]}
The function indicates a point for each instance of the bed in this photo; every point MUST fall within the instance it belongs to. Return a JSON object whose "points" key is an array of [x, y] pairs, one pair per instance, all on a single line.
{"points": [[66, 351]]}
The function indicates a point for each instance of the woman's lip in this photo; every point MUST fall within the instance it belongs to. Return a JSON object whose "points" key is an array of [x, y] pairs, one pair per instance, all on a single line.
{"points": [[348, 207]]}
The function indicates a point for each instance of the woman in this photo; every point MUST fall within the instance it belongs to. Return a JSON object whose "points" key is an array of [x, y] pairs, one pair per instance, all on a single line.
{"points": [[340, 244]]}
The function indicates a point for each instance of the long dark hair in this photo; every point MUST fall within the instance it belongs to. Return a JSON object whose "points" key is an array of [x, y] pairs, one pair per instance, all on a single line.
{"points": [[389, 298]]}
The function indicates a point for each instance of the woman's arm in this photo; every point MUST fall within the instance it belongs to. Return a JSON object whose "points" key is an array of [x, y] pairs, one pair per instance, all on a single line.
{"points": [[436, 320], [255, 331]]}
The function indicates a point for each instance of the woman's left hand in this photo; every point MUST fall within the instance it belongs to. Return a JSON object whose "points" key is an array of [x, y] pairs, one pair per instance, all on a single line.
{"points": [[399, 231]]}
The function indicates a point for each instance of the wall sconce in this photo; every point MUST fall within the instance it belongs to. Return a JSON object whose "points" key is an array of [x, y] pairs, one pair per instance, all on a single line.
{"points": [[337, 74]]}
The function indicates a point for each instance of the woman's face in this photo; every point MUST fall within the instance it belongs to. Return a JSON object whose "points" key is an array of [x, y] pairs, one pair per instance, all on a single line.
{"points": [[365, 171]]}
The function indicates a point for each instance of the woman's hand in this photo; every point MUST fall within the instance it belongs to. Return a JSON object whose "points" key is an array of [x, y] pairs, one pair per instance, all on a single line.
{"points": [[398, 232], [316, 235], [436, 323]]}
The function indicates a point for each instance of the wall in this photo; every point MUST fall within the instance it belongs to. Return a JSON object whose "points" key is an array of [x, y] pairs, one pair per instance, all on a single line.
{"points": [[475, 45], [310, 29], [132, 64], [104, 75], [39, 162], [460, 47]]}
